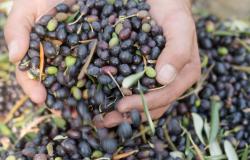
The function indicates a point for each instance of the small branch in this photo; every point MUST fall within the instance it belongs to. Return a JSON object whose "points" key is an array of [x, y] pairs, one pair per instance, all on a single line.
{"points": [[86, 65]]}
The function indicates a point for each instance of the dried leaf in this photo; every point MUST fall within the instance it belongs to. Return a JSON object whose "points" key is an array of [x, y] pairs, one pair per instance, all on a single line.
{"points": [[86, 65], [198, 126], [146, 111], [41, 62], [215, 119], [132, 79], [59, 137], [124, 155], [196, 148], [177, 155], [18, 104], [32, 127], [50, 149], [230, 151]]}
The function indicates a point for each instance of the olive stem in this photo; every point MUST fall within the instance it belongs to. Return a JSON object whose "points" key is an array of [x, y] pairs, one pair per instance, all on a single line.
{"points": [[168, 139], [86, 41], [122, 18], [118, 86], [158, 88], [86, 65], [77, 20], [124, 155], [18, 104], [41, 62]]}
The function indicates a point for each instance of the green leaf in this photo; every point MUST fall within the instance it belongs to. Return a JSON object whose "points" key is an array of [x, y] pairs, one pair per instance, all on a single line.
{"points": [[230, 151], [198, 126], [214, 147], [72, 17], [245, 153], [59, 122], [215, 119], [146, 111], [132, 79], [4, 130]]}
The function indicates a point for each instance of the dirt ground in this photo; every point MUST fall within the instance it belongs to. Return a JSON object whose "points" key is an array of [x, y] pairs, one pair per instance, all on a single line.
{"points": [[226, 8]]}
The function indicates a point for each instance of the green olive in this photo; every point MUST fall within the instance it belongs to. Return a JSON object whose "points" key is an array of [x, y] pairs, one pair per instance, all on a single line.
{"points": [[70, 61], [52, 24], [150, 72]]}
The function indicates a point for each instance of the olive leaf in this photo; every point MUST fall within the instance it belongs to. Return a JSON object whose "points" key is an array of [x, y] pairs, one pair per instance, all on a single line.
{"points": [[214, 147], [59, 122], [146, 111], [215, 120], [72, 17], [245, 153], [132, 79], [198, 126], [4, 130], [230, 151], [177, 155], [59, 137]]}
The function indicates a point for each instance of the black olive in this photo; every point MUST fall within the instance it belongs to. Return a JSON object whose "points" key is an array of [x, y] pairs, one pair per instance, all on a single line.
{"points": [[84, 149], [49, 81], [126, 57], [124, 69], [135, 117], [109, 145], [104, 79], [69, 145], [124, 130], [62, 7], [49, 49]]}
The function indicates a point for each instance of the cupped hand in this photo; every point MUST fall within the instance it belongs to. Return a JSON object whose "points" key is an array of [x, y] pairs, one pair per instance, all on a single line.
{"points": [[17, 30], [178, 66]]}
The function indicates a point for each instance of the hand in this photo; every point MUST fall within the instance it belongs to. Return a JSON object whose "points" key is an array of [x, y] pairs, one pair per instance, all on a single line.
{"points": [[22, 17], [178, 66]]}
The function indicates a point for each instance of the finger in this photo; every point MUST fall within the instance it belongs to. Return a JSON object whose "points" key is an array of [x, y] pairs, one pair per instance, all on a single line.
{"points": [[110, 120], [17, 30], [115, 118], [155, 113], [187, 77], [179, 30], [34, 89], [16, 33]]}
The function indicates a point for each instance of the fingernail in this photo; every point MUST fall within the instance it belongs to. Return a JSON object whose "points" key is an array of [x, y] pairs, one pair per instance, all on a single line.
{"points": [[166, 74], [13, 50]]}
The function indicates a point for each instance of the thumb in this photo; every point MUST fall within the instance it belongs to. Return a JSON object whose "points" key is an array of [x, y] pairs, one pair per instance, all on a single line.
{"points": [[17, 29], [180, 34]]}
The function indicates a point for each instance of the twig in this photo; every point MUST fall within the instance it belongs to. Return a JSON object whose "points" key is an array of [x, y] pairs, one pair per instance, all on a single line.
{"points": [[124, 155], [18, 104], [86, 65], [118, 86], [41, 62]]}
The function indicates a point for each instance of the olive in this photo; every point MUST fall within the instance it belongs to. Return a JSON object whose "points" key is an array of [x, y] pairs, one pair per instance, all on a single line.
{"points": [[72, 39], [125, 57], [29, 152], [61, 34], [125, 33], [62, 7], [61, 93], [104, 79], [107, 10], [103, 54], [49, 49], [84, 149], [99, 97], [142, 38], [135, 117], [124, 69], [109, 145], [69, 145], [115, 51], [35, 44], [71, 101], [58, 105], [49, 80], [33, 53], [44, 20], [124, 130], [40, 30], [114, 61]]}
